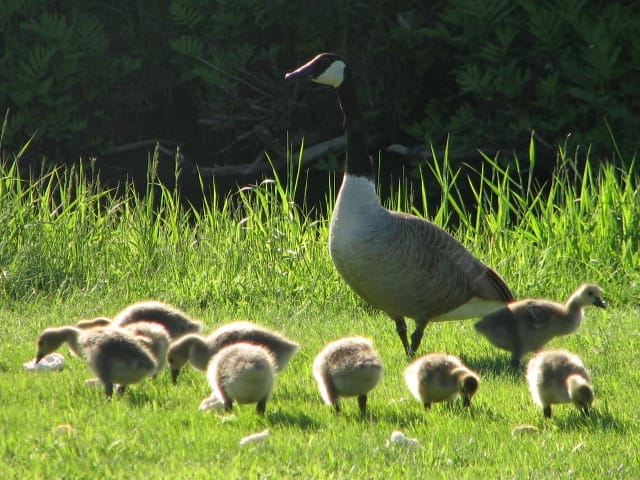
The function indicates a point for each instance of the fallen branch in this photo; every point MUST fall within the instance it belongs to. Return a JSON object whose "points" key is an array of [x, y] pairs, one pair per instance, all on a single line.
{"points": [[260, 165]]}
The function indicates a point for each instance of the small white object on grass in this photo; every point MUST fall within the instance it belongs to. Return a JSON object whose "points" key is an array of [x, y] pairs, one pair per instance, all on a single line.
{"points": [[53, 361], [399, 438], [211, 403], [256, 437]]}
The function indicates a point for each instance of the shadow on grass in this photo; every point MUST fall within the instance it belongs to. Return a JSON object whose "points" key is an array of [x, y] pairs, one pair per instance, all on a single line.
{"points": [[499, 365], [597, 420], [297, 419]]}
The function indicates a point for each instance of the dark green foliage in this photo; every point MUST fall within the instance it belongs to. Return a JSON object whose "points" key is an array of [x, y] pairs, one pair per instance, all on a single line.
{"points": [[209, 73], [56, 75], [564, 68]]}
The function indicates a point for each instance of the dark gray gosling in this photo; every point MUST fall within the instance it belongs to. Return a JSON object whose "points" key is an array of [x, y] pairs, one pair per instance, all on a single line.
{"points": [[528, 325], [115, 355], [177, 322], [198, 350]]}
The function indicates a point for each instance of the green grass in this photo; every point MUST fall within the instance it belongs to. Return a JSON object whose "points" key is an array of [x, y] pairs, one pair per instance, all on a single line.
{"points": [[69, 251]]}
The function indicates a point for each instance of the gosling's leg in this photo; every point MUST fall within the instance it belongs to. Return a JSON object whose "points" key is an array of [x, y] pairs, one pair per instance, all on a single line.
{"points": [[547, 411], [516, 355], [336, 405], [261, 406], [362, 403], [108, 390]]}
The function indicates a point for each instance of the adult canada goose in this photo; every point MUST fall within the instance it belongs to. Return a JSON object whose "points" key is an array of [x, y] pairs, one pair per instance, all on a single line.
{"points": [[114, 354], [438, 377], [241, 372], [400, 263], [176, 321], [528, 325], [557, 376], [347, 367], [198, 349]]}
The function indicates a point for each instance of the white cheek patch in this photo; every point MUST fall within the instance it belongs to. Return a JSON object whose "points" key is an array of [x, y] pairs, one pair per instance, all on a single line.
{"points": [[334, 75]]}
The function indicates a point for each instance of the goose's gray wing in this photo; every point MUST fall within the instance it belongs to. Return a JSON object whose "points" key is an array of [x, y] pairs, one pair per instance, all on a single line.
{"points": [[446, 272]]}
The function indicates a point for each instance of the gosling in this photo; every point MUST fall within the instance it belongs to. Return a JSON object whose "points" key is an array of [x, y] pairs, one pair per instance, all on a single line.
{"points": [[557, 376], [114, 355], [347, 367], [155, 337], [243, 373], [93, 323], [177, 322], [528, 325], [199, 350], [438, 377]]}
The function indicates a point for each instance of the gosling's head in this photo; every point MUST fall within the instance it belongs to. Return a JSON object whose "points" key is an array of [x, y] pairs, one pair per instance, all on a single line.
{"points": [[590, 294], [49, 341], [581, 393], [326, 68], [468, 383]]}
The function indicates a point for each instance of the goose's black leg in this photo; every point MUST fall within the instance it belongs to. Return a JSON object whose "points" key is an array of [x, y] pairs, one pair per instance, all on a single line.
{"points": [[401, 329], [547, 411], [416, 337]]}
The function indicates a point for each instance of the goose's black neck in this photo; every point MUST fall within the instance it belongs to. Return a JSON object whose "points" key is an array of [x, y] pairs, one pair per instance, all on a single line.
{"points": [[357, 161]]}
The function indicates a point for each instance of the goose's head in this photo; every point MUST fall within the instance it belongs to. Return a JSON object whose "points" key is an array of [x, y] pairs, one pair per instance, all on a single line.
{"points": [[591, 294], [581, 393], [326, 68]]}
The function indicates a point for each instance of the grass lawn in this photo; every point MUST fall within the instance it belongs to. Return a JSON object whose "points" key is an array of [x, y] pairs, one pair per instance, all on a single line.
{"points": [[70, 251]]}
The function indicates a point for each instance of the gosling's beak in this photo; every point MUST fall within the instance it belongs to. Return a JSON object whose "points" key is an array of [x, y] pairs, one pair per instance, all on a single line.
{"points": [[466, 401], [598, 302], [174, 376], [586, 411]]}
